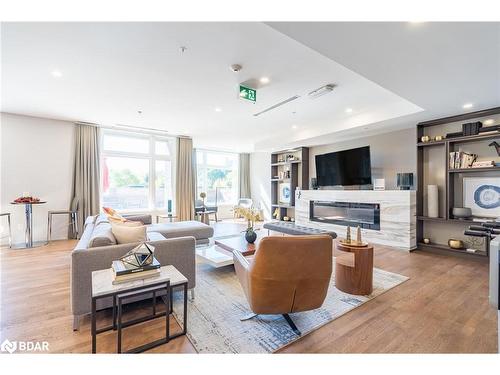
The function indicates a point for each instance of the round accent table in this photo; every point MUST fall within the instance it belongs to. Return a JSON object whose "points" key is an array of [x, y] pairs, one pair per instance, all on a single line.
{"points": [[28, 211], [354, 269]]}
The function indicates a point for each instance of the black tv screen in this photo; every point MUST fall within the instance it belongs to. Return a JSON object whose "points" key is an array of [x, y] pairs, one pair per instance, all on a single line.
{"points": [[349, 167]]}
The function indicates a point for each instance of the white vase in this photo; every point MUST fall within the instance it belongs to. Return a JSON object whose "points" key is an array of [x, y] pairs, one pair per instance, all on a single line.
{"points": [[432, 201]]}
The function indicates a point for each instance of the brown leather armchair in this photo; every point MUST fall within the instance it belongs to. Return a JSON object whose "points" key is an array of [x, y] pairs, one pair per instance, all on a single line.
{"points": [[286, 275]]}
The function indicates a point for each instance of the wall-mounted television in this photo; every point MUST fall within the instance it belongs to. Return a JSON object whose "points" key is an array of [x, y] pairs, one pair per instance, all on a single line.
{"points": [[346, 168]]}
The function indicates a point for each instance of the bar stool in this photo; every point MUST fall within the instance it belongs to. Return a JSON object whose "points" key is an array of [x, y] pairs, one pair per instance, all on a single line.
{"points": [[72, 212], [10, 229]]}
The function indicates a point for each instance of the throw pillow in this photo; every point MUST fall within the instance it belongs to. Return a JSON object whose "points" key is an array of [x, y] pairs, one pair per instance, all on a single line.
{"points": [[128, 232], [113, 215]]}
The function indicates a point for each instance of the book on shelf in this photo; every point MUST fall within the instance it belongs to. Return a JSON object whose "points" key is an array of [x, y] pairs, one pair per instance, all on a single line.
{"points": [[461, 160], [483, 164], [136, 276]]}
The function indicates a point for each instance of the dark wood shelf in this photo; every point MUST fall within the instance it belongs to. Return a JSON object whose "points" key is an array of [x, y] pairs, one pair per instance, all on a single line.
{"points": [[468, 170], [286, 163], [434, 246], [426, 218], [433, 168], [474, 138], [282, 205], [431, 143]]}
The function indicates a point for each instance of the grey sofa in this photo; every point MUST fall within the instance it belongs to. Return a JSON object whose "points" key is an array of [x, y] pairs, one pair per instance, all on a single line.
{"points": [[97, 249]]}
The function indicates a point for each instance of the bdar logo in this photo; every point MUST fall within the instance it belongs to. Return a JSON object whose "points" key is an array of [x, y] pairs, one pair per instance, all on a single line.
{"points": [[8, 346]]}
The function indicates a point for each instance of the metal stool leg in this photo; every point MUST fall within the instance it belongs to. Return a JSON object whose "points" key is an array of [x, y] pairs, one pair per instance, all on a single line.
{"points": [[73, 225], [49, 227], [10, 231]]}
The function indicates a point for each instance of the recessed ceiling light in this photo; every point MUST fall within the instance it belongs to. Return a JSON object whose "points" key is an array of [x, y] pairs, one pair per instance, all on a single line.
{"points": [[294, 126], [348, 110], [467, 105], [56, 73], [489, 121], [218, 109], [264, 80]]}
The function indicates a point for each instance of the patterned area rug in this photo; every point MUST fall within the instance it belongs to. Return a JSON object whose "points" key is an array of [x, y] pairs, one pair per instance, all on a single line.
{"points": [[214, 324]]}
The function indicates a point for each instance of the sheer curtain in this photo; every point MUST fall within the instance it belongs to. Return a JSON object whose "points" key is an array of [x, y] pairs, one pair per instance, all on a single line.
{"points": [[244, 172], [184, 190], [86, 172]]}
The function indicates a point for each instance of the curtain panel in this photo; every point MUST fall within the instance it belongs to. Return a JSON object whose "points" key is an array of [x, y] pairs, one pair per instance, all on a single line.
{"points": [[86, 172], [184, 190], [244, 174]]}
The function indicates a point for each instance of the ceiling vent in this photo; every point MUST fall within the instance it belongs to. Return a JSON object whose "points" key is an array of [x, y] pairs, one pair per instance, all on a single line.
{"points": [[277, 105], [323, 90]]}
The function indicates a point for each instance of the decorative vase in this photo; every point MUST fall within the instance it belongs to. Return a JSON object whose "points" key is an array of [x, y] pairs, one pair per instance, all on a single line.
{"points": [[432, 201], [250, 235]]}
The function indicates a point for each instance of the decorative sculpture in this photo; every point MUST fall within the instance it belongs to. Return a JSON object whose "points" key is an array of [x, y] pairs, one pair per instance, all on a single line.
{"points": [[496, 145], [358, 236], [348, 235]]}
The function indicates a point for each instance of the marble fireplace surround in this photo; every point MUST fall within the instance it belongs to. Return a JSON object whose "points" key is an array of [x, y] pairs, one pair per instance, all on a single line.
{"points": [[397, 214]]}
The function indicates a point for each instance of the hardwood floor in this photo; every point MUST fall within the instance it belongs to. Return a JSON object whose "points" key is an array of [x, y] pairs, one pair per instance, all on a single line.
{"points": [[443, 308]]}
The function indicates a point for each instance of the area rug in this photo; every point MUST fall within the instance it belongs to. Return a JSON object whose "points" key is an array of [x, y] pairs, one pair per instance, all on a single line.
{"points": [[214, 324]]}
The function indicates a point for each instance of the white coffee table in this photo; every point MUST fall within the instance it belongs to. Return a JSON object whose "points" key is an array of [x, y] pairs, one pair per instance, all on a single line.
{"points": [[214, 256]]}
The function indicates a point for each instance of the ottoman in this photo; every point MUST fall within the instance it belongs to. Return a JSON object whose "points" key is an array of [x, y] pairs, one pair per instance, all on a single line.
{"points": [[201, 232]]}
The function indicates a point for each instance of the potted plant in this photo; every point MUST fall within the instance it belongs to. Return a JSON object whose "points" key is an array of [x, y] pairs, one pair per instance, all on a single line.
{"points": [[251, 215]]}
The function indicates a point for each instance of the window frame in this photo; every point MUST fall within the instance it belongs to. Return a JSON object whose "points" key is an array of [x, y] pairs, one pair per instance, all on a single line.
{"points": [[151, 156]]}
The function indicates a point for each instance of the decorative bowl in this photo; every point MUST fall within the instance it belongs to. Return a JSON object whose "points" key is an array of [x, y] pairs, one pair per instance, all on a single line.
{"points": [[455, 244], [461, 212]]}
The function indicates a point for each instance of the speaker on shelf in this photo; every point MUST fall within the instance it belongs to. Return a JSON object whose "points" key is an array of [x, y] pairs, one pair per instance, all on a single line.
{"points": [[405, 181], [314, 183]]}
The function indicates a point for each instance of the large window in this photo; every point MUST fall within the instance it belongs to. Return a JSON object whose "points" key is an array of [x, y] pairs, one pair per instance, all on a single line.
{"points": [[137, 171], [217, 176]]}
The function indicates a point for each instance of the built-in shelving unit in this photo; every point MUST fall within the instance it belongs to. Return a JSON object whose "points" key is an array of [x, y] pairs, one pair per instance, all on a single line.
{"points": [[433, 168], [289, 168]]}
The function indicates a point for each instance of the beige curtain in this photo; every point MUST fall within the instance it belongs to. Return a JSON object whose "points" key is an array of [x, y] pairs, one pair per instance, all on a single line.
{"points": [[244, 174], [86, 172], [184, 187]]}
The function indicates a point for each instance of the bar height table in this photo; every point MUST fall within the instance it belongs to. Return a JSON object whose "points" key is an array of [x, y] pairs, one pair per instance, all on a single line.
{"points": [[28, 210]]}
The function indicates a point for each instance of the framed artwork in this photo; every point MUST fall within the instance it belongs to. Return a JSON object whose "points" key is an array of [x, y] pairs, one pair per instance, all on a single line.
{"points": [[482, 195], [284, 192]]}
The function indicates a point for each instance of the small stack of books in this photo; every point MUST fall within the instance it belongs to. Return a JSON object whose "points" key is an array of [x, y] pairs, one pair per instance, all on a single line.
{"points": [[460, 160], [483, 164], [139, 263]]}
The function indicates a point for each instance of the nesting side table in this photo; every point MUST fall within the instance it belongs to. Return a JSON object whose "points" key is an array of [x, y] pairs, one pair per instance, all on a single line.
{"points": [[354, 269], [102, 287]]}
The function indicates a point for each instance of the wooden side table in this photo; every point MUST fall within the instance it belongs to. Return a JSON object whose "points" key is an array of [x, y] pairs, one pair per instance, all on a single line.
{"points": [[354, 269]]}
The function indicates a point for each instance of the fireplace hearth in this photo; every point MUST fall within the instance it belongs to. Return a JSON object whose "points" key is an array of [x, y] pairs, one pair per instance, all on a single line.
{"points": [[365, 215]]}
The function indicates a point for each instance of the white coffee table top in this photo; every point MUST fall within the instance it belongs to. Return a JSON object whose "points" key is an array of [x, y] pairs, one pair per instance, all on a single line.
{"points": [[215, 256], [102, 281]]}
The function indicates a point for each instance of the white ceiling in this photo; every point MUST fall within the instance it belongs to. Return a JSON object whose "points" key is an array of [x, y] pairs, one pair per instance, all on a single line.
{"points": [[439, 66], [391, 74]]}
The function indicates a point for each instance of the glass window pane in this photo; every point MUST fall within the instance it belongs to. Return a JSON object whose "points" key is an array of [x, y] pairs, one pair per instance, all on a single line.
{"points": [[217, 176], [125, 143], [161, 148], [125, 183], [163, 184]]}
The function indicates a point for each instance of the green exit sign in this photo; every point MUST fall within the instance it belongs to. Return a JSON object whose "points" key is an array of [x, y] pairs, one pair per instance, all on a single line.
{"points": [[248, 94]]}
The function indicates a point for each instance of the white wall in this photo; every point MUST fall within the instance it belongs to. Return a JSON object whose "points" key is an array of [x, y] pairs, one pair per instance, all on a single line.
{"points": [[390, 153], [36, 156], [260, 181]]}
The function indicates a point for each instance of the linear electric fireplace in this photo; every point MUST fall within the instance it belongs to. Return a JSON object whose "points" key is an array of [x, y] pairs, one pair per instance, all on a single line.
{"points": [[366, 215]]}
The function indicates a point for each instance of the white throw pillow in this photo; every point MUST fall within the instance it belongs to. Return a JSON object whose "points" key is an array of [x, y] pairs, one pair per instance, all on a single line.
{"points": [[128, 232]]}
